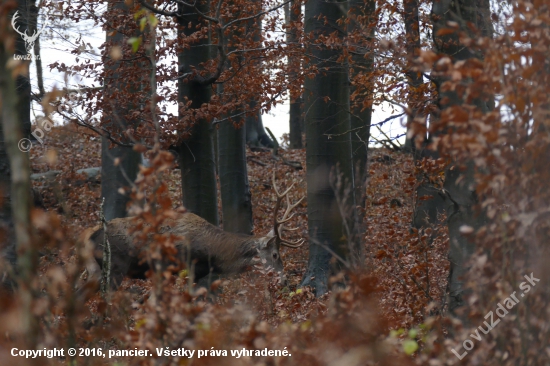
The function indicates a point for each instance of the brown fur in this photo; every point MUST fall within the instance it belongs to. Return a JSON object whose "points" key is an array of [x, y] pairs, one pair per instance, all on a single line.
{"points": [[213, 251]]}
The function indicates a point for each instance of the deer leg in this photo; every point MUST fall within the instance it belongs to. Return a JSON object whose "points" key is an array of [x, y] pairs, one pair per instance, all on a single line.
{"points": [[208, 280]]}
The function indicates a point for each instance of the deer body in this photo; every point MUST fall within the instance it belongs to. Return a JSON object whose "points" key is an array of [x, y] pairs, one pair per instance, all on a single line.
{"points": [[210, 249]]}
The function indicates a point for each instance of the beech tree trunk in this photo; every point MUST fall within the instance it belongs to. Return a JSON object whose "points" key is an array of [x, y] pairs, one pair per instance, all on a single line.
{"points": [[326, 155], [115, 118], [196, 154], [15, 166], [26, 18], [234, 187], [361, 16], [414, 78], [15, 191], [255, 131], [232, 169], [459, 176], [293, 13], [7, 246]]}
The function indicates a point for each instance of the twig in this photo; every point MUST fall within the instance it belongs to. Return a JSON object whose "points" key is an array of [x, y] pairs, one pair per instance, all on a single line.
{"points": [[294, 164], [327, 248], [158, 11], [276, 156], [396, 147], [366, 126], [106, 263], [258, 162], [276, 146]]}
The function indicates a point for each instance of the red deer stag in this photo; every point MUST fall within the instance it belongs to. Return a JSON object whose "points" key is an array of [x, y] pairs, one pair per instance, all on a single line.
{"points": [[213, 252]]}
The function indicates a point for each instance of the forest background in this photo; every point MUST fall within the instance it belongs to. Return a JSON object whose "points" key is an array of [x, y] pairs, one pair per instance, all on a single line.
{"points": [[412, 248]]}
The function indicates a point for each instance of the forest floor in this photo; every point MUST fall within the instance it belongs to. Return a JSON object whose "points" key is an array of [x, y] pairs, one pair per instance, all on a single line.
{"points": [[410, 271]]}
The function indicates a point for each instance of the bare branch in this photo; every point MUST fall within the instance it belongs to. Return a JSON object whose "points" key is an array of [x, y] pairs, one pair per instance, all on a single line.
{"points": [[365, 126], [256, 15], [158, 11]]}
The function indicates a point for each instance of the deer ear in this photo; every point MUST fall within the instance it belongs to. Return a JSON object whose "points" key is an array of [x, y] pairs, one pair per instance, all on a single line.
{"points": [[271, 241], [266, 242]]}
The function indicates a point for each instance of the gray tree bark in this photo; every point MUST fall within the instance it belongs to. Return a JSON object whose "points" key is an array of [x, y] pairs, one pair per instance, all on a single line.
{"points": [[234, 187], [232, 170], [27, 13], [414, 78], [196, 154], [114, 117], [459, 176], [361, 16], [16, 166], [255, 131], [293, 13], [327, 103]]}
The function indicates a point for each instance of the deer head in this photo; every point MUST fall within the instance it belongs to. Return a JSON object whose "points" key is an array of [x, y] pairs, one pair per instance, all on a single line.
{"points": [[270, 244]]}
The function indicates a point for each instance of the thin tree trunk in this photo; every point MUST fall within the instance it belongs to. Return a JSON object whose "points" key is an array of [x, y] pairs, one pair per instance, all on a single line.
{"points": [[27, 13], [361, 16], [293, 14], [255, 131], [414, 78], [37, 54]]}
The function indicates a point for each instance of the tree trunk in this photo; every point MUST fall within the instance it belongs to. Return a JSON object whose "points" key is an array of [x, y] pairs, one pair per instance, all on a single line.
{"points": [[234, 187], [293, 13], [196, 154], [7, 245], [414, 78], [327, 103], [27, 13], [19, 200], [427, 211], [255, 131], [232, 169], [296, 121], [459, 176], [37, 54], [114, 177], [361, 16]]}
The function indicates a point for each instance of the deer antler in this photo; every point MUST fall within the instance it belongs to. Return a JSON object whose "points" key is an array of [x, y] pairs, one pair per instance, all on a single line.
{"points": [[38, 32], [15, 16], [278, 227]]}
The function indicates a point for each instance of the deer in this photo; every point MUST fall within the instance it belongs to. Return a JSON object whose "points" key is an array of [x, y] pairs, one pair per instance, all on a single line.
{"points": [[213, 252]]}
